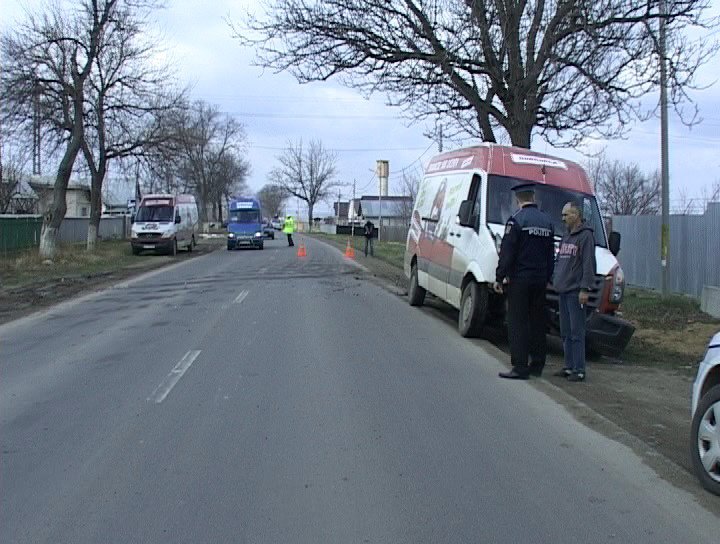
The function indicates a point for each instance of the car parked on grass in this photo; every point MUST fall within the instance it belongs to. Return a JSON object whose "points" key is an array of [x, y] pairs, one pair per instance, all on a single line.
{"points": [[705, 427]]}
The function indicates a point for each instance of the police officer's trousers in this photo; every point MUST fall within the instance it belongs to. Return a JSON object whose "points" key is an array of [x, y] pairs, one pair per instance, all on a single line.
{"points": [[527, 323]]}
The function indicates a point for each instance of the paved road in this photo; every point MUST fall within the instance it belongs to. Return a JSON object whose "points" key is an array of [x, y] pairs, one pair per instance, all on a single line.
{"points": [[258, 397]]}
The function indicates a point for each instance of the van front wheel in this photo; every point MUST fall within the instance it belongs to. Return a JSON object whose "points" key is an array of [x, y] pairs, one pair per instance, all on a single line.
{"points": [[416, 294], [473, 310]]}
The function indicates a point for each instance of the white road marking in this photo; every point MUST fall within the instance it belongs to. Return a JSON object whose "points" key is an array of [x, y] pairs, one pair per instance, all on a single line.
{"points": [[263, 270], [241, 296], [163, 390]]}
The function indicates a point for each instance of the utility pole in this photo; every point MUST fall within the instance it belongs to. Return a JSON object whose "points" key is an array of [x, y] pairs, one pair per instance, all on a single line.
{"points": [[440, 144], [352, 216], [383, 171], [664, 160], [36, 130], [337, 221]]}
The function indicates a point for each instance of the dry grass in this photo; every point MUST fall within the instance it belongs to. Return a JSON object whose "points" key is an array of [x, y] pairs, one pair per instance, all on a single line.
{"points": [[671, 330], [71, 261]]}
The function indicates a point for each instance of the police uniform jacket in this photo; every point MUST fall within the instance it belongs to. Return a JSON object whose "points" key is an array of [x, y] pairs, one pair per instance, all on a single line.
{"points": [[527, 250]]}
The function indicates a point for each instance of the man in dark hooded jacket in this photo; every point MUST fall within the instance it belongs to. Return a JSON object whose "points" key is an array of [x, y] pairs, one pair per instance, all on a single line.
{"points": [[573, 280]]}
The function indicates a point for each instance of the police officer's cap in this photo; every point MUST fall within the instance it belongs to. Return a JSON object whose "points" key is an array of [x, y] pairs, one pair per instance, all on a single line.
{"points": [[524, 187]]}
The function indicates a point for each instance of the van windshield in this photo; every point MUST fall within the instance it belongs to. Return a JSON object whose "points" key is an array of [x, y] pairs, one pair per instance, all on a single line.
{"points": [[161, 214], [501, 205], [245, 216]]}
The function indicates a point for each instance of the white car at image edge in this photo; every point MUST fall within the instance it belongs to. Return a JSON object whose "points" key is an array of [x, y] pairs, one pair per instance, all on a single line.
{"points": [[705, 430]]}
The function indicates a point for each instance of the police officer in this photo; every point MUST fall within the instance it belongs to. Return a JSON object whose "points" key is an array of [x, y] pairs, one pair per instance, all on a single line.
{"points": [[526, 264], [289, 228]]}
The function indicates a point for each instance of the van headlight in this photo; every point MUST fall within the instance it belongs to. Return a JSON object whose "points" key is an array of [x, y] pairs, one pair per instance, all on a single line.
{"points": [[166, 234], [617, 287], [258, 235], [231, 235]]}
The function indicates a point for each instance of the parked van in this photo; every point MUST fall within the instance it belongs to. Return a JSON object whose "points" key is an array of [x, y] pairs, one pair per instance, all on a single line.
{"points": [[458, 221], [165, 223], [245, 224]]}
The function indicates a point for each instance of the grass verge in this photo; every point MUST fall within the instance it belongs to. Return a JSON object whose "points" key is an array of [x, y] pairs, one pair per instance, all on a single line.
{"points": [[670, 330], [72, 260], [390, 252]]}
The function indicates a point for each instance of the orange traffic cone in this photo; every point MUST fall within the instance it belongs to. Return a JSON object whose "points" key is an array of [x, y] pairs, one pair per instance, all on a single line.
{"points": [[301, 250], [349, 250]]}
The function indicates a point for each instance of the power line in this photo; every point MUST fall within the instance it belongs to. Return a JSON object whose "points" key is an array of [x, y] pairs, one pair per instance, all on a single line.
{"points": [[416, 160], [310, 116], [344, 150]]}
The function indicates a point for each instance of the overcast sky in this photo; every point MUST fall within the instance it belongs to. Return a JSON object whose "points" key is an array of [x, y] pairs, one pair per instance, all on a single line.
{"points": [[275, 109]]}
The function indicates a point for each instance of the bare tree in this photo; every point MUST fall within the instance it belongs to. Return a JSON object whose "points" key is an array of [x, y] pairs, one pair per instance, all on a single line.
{"points": [[12, 169], [48, 59], [126, 91], [409, 185], [563, 69], [229, 178], [206, 139], [272, 198], [624, 189], [306, 173]]}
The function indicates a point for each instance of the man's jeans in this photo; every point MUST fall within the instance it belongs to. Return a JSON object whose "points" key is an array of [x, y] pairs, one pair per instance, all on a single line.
{"points": [[369, 243], [572, 330]]}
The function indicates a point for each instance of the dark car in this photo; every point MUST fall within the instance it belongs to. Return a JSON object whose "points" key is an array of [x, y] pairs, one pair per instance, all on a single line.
{"points": [[268, 230]]}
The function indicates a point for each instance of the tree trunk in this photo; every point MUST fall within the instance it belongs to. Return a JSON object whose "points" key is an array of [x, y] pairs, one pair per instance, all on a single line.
{"points": [[54, 217], [95, 208], [520, 134], [310, 217]]}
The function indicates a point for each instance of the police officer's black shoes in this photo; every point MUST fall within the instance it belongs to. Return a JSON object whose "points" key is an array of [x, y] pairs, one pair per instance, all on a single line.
{"points": [[515, 374], [536, 369]]}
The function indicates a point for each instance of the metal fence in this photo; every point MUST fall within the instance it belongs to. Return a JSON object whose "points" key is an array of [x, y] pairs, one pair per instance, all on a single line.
{"points": [[19, 232], [74, 229], [694, 257]]}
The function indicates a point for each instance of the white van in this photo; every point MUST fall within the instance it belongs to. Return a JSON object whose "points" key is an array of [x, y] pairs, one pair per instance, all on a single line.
{"points": [[165, 223], [458, 221]]}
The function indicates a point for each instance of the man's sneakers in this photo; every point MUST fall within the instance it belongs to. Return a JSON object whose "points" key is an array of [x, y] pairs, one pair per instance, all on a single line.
{"points": [[570, 375]]}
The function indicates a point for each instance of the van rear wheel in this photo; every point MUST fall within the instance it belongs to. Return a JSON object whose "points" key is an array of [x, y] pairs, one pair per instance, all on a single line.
{"points": [[416, 294], [473, 310]]}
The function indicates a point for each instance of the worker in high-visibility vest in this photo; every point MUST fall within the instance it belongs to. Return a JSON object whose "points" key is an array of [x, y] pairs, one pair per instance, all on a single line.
{"points": [[289, 228]]}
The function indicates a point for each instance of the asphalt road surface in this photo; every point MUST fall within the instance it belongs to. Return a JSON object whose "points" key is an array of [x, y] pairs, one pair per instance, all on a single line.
{"points": [[259, 397]]}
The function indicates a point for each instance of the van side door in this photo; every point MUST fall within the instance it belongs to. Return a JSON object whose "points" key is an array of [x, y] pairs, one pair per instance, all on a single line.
{"points": [[465, 242]]}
